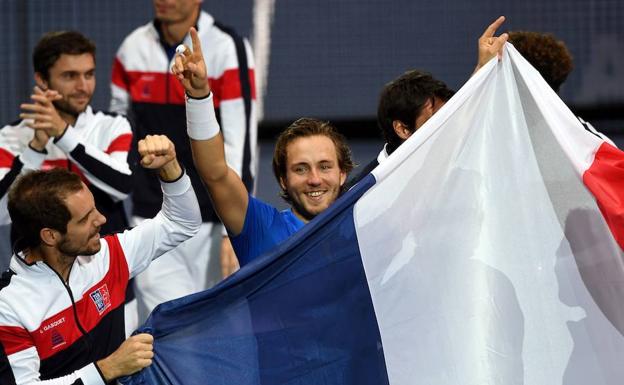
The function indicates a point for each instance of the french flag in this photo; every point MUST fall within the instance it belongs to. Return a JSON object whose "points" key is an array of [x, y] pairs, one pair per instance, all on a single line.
{"points": [[486, 250]]}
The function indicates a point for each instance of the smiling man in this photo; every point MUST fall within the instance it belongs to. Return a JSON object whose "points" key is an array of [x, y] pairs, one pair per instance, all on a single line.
{"points": [[61, 301], [311, 162], [58, 128]]}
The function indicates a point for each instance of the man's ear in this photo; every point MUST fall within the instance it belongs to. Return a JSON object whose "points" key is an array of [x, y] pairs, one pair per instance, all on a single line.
{"points": [[49, 237], [343, 178], [282, 183], [40, 81], [401, 129]]}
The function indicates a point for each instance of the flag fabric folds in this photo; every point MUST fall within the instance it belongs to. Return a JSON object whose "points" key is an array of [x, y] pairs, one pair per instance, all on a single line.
{"points": [[486, 250]]}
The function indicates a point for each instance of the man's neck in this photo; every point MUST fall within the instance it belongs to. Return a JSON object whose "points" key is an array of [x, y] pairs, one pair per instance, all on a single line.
{"points": [[299, 216], [174, 32], [58, 262]]}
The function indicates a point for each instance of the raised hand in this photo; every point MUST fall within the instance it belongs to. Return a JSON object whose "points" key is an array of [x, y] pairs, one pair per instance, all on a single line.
{"points": [[490, 45], [189, 67], [156, 151], [133, 354], [43, 114]]}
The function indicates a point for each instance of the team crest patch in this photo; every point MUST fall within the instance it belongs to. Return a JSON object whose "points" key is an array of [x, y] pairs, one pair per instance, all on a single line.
{"points": [[101, 298]]}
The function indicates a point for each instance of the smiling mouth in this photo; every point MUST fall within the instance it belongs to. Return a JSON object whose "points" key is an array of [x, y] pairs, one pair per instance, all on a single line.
{"points": [[315, 194]]}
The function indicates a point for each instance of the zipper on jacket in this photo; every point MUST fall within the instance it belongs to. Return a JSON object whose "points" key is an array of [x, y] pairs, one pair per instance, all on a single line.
{"points": [[74, 309]]}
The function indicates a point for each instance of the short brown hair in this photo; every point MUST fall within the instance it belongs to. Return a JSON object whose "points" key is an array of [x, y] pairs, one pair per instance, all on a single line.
{"points": [[53, 44], [36, 201], [305, 127], [549, 56]]}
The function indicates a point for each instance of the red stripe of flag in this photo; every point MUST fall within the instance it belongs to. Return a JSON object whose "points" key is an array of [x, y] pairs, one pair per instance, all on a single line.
{"points": [[605, 179]]}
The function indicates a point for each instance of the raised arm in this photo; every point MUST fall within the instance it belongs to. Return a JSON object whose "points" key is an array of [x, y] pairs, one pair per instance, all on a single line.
{"points": [[227, 191], [179, 218], [490, 45]]}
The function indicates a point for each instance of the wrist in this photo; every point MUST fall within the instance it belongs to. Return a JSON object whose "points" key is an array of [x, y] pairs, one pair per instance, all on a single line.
{"points": [[201, 119], [59, 133], [37, 145], [199, 93], [170, 171], [106, 370]]}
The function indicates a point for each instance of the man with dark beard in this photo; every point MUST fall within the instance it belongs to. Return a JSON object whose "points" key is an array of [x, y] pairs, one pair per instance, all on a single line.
{"points": [[58, 128], [61, 301]]}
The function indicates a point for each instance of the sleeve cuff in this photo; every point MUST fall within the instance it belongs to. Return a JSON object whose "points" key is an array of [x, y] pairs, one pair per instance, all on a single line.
{"points": [[177, 187], [68, 141], [201, 120], [32, 159], [90, 375]]}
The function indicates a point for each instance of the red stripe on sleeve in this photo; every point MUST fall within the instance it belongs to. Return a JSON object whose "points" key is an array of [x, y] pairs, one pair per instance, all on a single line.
{"points": [[120, 143], [605, 179], [6, 158], [15, 339], [49, 164], [119, 76]]}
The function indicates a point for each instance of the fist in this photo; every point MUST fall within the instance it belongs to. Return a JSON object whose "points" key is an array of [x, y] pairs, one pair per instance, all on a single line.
{"points": [[156, 151]]}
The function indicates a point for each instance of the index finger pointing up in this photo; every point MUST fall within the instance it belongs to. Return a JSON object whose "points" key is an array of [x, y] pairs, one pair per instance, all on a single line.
{"points": [[195, 40], [489, 32]]}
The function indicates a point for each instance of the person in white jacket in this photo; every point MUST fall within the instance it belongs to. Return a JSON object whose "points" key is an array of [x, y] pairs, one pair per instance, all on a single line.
{"points": [[61, 302]]}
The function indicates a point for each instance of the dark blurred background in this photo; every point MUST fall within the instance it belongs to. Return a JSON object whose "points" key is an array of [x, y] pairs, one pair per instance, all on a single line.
{"points": [[329, 59]]}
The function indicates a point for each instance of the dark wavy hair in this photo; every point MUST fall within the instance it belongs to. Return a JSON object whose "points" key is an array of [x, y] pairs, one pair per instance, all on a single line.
{"points": [[549, 56], [36, 201], [53, 44], [305, 127], [403, 99]]}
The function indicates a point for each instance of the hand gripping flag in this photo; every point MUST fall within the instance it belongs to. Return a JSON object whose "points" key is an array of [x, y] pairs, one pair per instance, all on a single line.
{"points": [[486, 250]]}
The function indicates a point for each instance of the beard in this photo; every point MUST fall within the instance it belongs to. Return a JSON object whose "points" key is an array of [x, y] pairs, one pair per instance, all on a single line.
{"points": [[70, 249], [64, 106], [301, 210]]}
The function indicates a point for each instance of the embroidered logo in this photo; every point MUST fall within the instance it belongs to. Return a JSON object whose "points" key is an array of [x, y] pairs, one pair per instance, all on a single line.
{"points": [[57, 339], [145, 85], [101, 298]]}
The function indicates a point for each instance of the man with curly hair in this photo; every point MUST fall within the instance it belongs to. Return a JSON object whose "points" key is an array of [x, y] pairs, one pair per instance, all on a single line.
{"points": [[552, 59]]}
